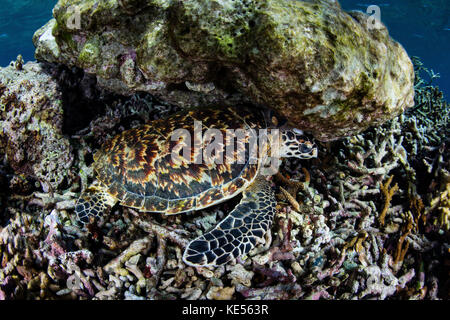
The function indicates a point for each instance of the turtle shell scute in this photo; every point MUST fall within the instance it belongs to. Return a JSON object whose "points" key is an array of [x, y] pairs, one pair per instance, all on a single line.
{"points": [[138, 168]]}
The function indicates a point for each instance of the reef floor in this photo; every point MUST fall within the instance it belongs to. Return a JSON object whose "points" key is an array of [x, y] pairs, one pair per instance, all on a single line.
{"points": [[367, 219]]}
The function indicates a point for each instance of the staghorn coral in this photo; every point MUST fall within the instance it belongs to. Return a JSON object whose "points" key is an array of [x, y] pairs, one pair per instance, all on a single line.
{"points": [[388, 194], [442, 204]]}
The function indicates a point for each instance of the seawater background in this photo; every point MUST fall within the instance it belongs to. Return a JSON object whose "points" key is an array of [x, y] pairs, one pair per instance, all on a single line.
{"points": [[19, 19], [421, 26]]}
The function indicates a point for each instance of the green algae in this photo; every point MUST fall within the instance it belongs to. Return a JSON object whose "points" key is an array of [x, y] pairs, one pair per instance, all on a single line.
{"points": [[90, 53]]}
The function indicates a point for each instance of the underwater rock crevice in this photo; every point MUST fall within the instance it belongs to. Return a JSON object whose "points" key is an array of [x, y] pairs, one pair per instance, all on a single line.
{"points": [[82, 101]]}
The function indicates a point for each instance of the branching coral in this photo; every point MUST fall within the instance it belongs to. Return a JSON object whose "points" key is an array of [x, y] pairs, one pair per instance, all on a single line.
{"points": [[342, 231], [442, 204], [388, 194]]}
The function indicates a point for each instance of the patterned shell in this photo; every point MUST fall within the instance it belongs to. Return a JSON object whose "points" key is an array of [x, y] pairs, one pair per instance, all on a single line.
{"points": [[139, 170]]}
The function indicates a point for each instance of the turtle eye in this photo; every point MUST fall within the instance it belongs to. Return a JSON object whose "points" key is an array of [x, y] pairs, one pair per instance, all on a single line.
{"points": [[294, 145], [305, 148]]}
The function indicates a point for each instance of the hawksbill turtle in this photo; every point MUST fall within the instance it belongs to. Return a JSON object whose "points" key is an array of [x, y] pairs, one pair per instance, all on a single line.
{"points": [[138, 169]]}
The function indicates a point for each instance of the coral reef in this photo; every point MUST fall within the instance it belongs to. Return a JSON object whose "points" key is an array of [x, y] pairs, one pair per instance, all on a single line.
{"points": [[330, 72], [31, 121], [367, 219]]}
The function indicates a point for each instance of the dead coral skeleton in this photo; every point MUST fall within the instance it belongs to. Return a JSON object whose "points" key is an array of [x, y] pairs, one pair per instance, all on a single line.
{"points": [[368, 219]]}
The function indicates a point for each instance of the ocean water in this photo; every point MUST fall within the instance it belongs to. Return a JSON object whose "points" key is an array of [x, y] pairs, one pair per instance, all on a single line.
{"points": [[19, 19], [421, 26]]}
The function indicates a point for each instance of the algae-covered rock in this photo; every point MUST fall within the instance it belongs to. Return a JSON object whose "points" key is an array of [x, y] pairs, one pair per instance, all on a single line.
{"points": [[31, 119], [330, 72]]}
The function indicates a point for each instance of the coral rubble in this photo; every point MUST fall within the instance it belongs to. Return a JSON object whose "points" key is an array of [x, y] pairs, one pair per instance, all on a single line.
{"points": [[367, 219]]}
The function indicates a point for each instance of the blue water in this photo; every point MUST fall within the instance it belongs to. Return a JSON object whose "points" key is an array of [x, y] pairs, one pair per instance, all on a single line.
{"points": [[19, 19], [421, 26]]}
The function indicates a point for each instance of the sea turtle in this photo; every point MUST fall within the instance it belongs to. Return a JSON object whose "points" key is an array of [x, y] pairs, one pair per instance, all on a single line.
{"points": [[145, 168]]}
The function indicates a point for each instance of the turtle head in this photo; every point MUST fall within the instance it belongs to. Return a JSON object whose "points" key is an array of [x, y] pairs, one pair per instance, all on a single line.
{"points": [[295, 145]]}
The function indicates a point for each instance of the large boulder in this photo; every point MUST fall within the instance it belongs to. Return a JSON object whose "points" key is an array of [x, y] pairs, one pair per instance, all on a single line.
{"points": [[330, 72]]}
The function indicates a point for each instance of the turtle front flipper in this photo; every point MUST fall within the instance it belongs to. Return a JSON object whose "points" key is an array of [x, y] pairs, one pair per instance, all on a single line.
{"points": [[239, 232], [93, 202]]}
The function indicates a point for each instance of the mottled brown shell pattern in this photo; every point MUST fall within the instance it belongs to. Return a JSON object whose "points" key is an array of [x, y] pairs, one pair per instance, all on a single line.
{"points": [[137, 166]]}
